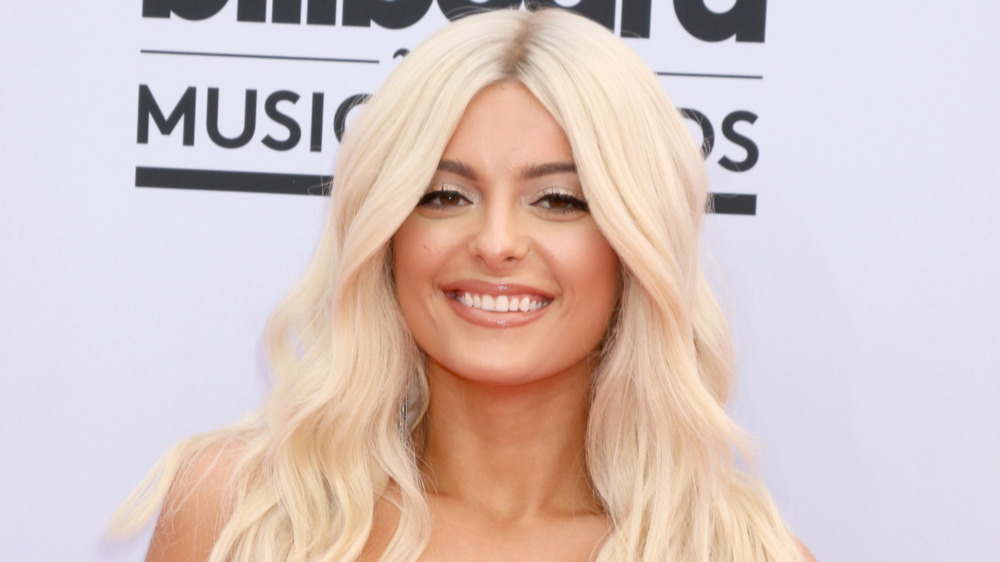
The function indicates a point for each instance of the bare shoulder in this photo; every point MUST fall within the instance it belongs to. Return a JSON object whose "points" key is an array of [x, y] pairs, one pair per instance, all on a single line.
{"points": [[197, 505], [807, 556]]}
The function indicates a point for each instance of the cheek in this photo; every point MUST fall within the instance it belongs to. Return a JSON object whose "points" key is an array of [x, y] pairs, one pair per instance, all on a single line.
{"points": [[604, 268], [410, 253], [587, 258], [420, 255], [589, 270]]}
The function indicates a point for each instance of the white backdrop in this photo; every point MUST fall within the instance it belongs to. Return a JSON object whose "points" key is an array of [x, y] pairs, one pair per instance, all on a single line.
{"points": [[863, 292]]}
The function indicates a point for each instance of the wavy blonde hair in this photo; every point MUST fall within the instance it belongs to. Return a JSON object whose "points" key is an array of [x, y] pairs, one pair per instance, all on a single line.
{"points": [[325, 447]]}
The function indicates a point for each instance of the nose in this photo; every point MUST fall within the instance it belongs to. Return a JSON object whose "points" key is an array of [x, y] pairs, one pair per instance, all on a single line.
{"points": [[500, 239]]}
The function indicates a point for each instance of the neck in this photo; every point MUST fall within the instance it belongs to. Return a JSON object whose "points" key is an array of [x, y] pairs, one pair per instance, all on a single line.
{"points": [[515, 451]]}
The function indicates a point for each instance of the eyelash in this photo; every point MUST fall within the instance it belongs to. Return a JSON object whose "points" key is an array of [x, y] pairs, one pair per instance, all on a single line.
{"points": [[571, 204], [433, 198]]}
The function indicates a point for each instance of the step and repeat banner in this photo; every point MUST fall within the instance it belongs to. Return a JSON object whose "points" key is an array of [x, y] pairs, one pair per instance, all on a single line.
{"points": [[164, 164], [252, 96]]}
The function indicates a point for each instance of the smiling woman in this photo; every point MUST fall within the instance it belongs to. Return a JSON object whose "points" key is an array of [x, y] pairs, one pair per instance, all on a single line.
{"points": [[504, 348], [501, 253]]}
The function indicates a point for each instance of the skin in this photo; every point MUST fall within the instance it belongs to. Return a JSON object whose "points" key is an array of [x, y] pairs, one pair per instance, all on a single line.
{"points": [[196, 509], [504, 456]]}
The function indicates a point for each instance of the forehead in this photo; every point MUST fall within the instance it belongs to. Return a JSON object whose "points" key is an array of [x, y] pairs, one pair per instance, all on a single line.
{"points": [[506, 128]]}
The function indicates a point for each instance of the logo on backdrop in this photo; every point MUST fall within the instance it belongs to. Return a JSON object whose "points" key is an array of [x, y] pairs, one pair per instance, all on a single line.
{"points": [[176, 118]]}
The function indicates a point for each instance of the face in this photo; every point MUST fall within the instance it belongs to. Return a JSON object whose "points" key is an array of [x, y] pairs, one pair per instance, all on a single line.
{"points": [[501, 273]]}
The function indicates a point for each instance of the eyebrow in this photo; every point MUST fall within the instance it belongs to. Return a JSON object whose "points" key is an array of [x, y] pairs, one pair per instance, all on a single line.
{"points": [[459, 168], [541, 170], [533, 171]]}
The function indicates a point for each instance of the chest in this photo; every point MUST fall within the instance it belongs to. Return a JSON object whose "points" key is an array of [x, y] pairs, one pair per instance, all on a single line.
{"points": [[570, 539], [463, 534]]}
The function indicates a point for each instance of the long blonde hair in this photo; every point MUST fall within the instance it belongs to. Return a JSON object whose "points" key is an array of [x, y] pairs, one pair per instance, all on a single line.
{"points": [[326, 445]]}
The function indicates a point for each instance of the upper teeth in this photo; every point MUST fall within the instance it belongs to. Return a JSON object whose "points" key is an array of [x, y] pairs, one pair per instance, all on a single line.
{"points": [[501, 303]]}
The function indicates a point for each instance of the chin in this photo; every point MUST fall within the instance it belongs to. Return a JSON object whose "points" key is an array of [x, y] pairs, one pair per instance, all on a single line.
{"points": [[509, 373]]}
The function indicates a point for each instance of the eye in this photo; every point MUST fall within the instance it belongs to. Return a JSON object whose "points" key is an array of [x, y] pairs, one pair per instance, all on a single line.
{"points": [[559, 202], [443, 197]]}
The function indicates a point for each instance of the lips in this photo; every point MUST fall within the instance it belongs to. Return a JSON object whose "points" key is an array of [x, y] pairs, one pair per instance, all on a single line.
{"points": [[497, 297]]}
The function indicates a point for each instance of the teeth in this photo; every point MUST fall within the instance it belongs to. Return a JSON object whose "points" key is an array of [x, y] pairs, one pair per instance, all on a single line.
{"points": [[500, 303]]}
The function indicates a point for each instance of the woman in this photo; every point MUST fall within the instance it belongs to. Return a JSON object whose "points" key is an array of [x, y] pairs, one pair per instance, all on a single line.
{"points": [[504, 348]]}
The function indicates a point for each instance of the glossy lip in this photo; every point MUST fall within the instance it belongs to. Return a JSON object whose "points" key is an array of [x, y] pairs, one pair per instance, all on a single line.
{"points": [[490, 319]]}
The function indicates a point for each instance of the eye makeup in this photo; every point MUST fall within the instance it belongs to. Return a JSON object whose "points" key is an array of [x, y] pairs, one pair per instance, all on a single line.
{"points": [[554, 199], [445, 195], [560, 200]]}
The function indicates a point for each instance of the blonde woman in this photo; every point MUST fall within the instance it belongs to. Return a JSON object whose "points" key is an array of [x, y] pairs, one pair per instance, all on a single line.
{"points": [[504, 348]]}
